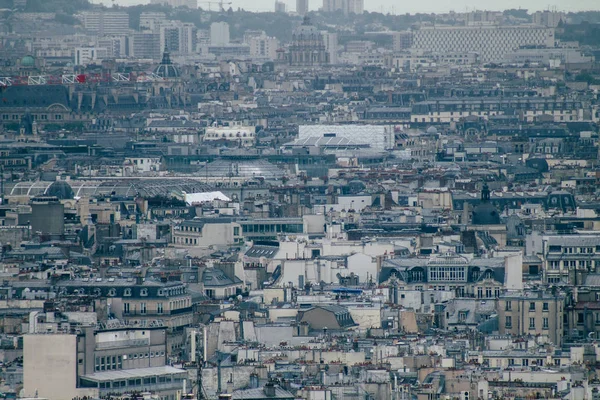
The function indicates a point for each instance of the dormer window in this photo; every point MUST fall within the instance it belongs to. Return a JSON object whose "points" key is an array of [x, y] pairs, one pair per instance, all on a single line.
{"points": [[144, 292], [112, 292], [127, 292]]}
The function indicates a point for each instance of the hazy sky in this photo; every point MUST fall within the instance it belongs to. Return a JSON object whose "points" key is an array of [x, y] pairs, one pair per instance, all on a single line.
{"points": [[401, 7]]}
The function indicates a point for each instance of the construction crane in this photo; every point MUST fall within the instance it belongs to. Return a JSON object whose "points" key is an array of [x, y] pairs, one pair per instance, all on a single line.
{"points": [[221, 4]]}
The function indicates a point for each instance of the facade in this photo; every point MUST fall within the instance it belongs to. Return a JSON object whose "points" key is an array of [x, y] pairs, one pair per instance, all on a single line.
{"points": [[244, 135], [179, 38], [146, 45], [219, 34], [302, 7], [97, 362], [105, 23], [346, 6], [307, 47], [263, 46], [532, 313], [491, 42], [47, 215]]}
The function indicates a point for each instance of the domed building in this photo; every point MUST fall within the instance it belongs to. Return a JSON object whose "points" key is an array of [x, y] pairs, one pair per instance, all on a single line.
{"points": [[60, 189], [307, 47], [166, 69], [28, 62], [485, 213]]}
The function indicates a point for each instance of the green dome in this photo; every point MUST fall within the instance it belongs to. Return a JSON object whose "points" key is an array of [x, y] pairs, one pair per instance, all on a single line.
{"points": [[27, 61]]}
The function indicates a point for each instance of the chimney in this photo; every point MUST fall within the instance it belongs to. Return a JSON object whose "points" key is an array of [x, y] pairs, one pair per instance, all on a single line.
{"points": [[269, 389]]}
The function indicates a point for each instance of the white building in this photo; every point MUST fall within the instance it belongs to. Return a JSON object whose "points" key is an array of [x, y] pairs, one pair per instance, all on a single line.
{"points": [[244, 135], [346, 6], [89, 55], [491, 42], [330, 39], [263, 46], [178, 37], [116, 46], [151, 20], [104, 23], [219, 34], [548, 18], [379, 137], [302, 7]]}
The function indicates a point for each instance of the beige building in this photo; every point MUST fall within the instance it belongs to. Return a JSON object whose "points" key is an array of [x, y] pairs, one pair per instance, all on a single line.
{"points": [[532, 313], [97, 361]]}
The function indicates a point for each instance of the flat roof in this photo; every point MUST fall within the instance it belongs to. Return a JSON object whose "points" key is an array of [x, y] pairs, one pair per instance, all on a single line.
{"points": [[133, 373]]}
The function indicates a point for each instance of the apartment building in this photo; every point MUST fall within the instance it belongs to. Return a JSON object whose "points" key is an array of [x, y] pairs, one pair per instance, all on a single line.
{"points": [[530, 109], [105, 23], [96, 361], [532, 313]]}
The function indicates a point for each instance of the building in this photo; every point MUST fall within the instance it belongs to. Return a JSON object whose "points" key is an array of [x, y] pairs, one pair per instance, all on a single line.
{"points": [[105, 23], [492, 42], [379, 137], [302, 7], [280, 7], [151, 20], [263, 46], [346, 6], [47, 215], [219, 34], [97, 361], [331, 45], [90, 55], [307, 47], [245, 136], [402, 40], [532, 313], [179, 38], [548, 18], [326, 317], [146, 45]]}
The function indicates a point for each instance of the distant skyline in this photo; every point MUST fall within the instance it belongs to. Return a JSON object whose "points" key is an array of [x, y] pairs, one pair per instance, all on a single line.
{"points": [[432, 6]]}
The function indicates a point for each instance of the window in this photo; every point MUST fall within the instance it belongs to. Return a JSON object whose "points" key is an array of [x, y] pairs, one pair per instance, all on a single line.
{"points": [[144, 292], [159, 308], [508, 323], [531, 323], [545, 307], [142, 308], [544, 323], [580, 318], [125, 308], [508, 305], [127, 292], [532, 306], [462, 316], [479, 292]]}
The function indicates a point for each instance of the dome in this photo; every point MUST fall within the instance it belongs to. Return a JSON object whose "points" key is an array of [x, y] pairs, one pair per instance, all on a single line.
{"points": [[485, 213], [166, 69], [432, 130], [307, 30], [28, 61], [60, 189]]}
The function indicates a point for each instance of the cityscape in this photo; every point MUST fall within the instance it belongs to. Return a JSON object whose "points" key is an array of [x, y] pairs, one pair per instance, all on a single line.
{"points": [[322, 200]]}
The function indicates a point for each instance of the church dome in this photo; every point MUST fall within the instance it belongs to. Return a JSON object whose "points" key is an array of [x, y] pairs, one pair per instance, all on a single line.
{"points": [[166, 69], [28, 61], [485, 213]]}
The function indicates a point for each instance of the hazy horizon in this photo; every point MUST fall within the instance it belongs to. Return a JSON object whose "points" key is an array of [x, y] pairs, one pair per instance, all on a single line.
{"points": [[433, 6]]}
